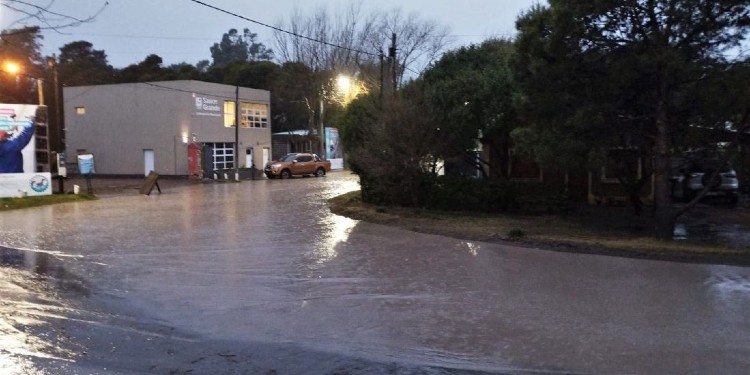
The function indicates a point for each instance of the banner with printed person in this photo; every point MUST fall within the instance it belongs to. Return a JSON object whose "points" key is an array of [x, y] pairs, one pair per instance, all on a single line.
{"points": [[17, 153]]}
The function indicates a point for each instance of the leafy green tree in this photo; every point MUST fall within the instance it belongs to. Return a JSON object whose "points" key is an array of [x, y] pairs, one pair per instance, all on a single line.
{"points": [[182, 71], [239, 47], [80, 64], [150, 69], [256, 74], [21, 47], [203, 65], [389, 144], [294, 96], [470, 91], [394, 143], [602, 74]]}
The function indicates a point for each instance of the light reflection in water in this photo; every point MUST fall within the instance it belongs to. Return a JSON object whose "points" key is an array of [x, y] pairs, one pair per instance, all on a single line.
{"points": [[26, 303], [336, 230], [473, 248], [10, 365], [339, 187]]}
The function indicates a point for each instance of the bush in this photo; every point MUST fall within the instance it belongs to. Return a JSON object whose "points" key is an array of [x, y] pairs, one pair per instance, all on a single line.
{"points": [[467, 194], [542, 199]]}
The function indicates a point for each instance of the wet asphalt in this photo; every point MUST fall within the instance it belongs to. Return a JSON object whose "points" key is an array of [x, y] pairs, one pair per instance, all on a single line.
{"points": [[259, 277]]}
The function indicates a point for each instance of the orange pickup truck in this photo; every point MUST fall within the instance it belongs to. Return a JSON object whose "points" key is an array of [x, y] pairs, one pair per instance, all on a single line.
{"points": [[297, 164]]}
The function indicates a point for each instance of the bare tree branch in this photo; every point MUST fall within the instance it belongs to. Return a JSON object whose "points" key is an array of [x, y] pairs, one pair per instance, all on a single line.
{"points": [[354, 38], [44, 17]]}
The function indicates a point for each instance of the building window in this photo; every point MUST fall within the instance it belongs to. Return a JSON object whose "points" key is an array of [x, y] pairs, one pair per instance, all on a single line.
{"points": [[80, 110], [223, 154], [254, 115], [228, 114]]}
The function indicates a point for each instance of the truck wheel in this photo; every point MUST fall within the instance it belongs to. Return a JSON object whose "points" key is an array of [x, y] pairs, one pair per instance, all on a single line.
{"points": [[285, 174], [320, 172]]}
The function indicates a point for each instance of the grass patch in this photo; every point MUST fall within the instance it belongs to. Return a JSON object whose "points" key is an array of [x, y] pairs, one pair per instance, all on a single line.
{"points": [[593, 230], [43, 200]]}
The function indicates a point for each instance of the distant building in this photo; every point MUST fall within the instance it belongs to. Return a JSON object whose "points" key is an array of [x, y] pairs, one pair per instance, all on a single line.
{"points": [[134, 128], [293, 141]]}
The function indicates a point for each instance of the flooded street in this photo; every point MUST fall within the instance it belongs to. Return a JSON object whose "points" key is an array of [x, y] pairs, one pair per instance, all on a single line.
{"points": [[259, 277]]}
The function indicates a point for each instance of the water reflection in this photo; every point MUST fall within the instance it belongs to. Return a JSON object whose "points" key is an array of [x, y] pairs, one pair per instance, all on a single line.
{"points": [[267, 261], [44, 263], [473, 248], [731, 235], [339, 186], [336, 230], [27, 301], [9, 365]]}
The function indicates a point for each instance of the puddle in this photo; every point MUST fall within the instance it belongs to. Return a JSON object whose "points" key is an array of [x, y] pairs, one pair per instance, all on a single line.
{"points": [[731, 235], [32, 284], [46, 265]]}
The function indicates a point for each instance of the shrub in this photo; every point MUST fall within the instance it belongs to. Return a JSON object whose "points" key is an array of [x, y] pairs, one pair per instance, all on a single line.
{"points": [[464, 194]]}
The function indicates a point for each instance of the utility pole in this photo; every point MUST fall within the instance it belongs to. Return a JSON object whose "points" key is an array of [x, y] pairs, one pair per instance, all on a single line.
{"points": [[237, 133], [394, 63], [59, 145], [322, 129], [382, 73]]}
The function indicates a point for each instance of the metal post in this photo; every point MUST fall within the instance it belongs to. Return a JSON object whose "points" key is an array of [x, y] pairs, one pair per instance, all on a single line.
{"points": [[382, 75], [394, 63], [321, 133], [58, 110], [40, 90], [59, 145], [237, 133]]}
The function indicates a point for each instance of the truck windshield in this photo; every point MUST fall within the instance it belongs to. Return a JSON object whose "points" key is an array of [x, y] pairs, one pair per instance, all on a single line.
{"points": [[288, 157]]}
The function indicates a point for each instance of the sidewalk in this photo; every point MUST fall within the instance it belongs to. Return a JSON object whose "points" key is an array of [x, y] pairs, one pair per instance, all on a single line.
{"points": [[121, 185]]}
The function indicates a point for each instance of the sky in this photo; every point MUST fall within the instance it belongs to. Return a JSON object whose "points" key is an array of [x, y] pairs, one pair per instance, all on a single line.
{"points": [[183, 30]]}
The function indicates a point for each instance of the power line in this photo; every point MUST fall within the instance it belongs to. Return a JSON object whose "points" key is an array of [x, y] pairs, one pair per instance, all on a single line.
{"points": [[284, 31]]}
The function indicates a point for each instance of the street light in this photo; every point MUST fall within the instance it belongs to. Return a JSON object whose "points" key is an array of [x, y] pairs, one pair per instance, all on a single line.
{"points": [[11, 67], [344, 83], [347, 89]]}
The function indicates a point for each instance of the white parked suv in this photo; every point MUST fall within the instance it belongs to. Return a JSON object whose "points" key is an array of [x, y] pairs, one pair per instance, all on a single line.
{"points": [[693, 179]]}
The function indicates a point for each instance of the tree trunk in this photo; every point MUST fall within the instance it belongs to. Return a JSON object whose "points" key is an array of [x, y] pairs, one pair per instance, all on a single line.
{"points": [[665, 216], [665, 221]]}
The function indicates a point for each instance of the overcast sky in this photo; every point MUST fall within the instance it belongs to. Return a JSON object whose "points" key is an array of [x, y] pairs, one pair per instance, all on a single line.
{"points": [[183, 30]]}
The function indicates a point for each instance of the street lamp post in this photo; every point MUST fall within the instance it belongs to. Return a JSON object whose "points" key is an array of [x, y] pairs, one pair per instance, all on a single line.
{"points": [[321, 131], [15, 69], [59, 144], [237, 133], [347, 89]]}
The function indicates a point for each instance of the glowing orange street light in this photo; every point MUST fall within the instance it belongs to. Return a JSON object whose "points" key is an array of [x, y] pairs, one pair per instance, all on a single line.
{"points": [[11, 67]]}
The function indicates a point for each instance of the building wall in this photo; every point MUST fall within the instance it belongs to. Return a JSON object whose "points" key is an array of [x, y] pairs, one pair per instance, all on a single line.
{"points": [[116, 123]]}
